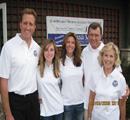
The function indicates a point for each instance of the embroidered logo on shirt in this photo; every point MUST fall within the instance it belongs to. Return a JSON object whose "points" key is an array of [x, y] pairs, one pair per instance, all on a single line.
{"points": [[115, 83], [35, 53]]}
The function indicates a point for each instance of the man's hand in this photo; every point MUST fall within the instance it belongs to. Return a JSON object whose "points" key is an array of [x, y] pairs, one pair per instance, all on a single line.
{"points": [[10, 117], [39, 99]]}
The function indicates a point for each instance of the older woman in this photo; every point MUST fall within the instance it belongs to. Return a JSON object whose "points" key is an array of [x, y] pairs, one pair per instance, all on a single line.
{"points": [[72, 75], [107, 86]]}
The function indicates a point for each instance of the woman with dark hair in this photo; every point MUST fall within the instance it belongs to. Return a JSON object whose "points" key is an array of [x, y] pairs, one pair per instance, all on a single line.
{"points": [[51, 107], [71, 71]]}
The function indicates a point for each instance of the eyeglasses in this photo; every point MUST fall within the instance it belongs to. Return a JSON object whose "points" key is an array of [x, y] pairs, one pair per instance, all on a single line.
{"points": [[92, 35]]}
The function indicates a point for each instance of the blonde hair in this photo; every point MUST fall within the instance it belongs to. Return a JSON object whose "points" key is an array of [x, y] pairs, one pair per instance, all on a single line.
{"points": [[107, 47], [55, 60], [77, 52]]}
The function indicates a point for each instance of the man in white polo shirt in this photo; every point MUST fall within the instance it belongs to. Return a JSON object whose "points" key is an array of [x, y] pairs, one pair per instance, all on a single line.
{"points": [[90, 54], [18, 64]]}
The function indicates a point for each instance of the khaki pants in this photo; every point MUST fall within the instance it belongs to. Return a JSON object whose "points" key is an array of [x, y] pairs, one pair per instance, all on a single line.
{"points": [[85, 114]]}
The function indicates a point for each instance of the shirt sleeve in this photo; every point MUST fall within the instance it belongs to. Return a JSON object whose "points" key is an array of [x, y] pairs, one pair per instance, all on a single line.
{"points": [[119, 69], [83, 61], [92, 83], [82, 65], [122, 90], [5, 63]]}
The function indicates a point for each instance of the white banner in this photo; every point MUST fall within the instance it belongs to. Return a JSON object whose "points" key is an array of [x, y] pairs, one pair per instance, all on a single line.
{"points": [[58, 27]]}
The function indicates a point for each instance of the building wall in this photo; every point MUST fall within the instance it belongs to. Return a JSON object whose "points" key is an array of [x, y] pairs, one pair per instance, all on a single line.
{"points": [[123, 6]]}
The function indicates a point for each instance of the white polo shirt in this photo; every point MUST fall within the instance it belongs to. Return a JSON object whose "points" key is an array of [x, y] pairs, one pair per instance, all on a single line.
{"points": [[72, 86], [18, 64], [110, 89], [91, 64], [49, 92]]}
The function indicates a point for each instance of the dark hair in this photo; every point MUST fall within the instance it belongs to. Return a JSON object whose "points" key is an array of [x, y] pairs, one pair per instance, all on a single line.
{"points": [[94, 26], [77, 52], [28, 11]]}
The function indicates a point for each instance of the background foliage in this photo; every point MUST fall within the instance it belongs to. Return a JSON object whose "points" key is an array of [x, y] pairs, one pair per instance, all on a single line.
{"points": [[126, 72]]}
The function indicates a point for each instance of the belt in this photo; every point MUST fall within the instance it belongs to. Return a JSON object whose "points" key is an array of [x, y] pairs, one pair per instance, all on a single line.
{"points": [[26, 95]]}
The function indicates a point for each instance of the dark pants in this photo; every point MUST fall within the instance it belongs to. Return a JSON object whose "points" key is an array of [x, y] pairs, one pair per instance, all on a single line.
{"points": [[25, 107]]}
